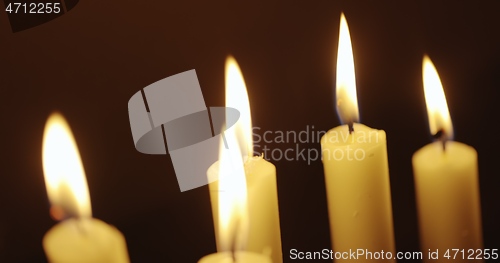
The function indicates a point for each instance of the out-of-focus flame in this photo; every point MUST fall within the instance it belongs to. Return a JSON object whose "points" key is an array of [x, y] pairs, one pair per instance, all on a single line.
{"points": [[233, 214], [63, 170], [237, 97], [437, 108], [347, 101]]}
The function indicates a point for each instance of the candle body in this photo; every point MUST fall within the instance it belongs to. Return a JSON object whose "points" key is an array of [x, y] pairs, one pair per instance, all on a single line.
{"points": [[264, 235], [448, 203], [241, 257], [358, 189], [85, 240]]}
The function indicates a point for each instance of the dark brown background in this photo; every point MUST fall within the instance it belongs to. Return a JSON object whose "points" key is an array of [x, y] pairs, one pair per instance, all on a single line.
{"points": [[90, 61]]}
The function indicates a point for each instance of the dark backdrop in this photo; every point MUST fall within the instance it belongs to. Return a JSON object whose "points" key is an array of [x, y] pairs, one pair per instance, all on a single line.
{"points": [[88, 62]]}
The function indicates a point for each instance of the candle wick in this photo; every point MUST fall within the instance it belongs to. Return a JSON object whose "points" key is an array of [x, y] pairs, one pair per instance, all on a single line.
{"points": [[233, 256], [441, 135], [351, 127], [233, 251], [235, 240]]}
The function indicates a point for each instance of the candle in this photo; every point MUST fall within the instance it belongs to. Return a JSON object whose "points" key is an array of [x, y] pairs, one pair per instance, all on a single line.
{"points": [[239, 257], [264, 235], [446, 182], [80, 238], [232, 203], [356, 170]]}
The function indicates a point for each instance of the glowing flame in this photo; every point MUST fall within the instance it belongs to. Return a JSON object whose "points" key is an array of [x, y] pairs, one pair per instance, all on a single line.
{"points": [[233, 214], [437, 108], [237, 97], [347, 101], [63, 170]]}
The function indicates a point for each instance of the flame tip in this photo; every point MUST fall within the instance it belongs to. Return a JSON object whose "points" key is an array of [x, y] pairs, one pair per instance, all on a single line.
{"points": [[230, 58], [343, 20], [427, 60], [237, 98]]}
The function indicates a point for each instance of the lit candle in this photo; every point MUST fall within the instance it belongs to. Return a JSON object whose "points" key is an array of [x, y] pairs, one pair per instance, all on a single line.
{"points": [[80, 238], [238, 257], [356, 169], [446, 182], [232, 203], [264, 235]]}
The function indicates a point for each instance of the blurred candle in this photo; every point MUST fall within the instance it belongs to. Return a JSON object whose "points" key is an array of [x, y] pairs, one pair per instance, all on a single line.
{"points": [[356, 169], [80, 238], [264, 235], [233, 211], [446, 182], [238, 257]]}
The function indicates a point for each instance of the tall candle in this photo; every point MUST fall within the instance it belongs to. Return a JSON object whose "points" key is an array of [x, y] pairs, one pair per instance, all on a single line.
{"points": [[80, 238], [446, 182], [356, 170], [233, 221], [264, 235]]}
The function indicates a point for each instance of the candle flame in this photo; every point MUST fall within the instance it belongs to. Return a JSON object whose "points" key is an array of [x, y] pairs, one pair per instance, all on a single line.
{"points": [[233, 214], [347, 101], [63, 169], [237, 97], [437, 108]]}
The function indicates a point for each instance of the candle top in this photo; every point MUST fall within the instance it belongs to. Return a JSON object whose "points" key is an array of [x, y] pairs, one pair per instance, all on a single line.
{"points": [[241, 257]]}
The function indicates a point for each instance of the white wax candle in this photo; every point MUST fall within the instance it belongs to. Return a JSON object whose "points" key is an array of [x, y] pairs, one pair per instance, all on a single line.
{"points": [[74, 240], [241, 257], [85, 240], [264, 227], [264, 235], [447, 190], [446, 183], [358, 189], [356, 170]]}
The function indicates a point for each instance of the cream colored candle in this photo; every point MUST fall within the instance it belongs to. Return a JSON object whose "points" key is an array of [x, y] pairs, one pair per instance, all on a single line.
{"points": [[240, 256], [81, 238], [85, 240], [446, 182], [264, 235], [356, 170], [358, 189], [233, 221]]}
